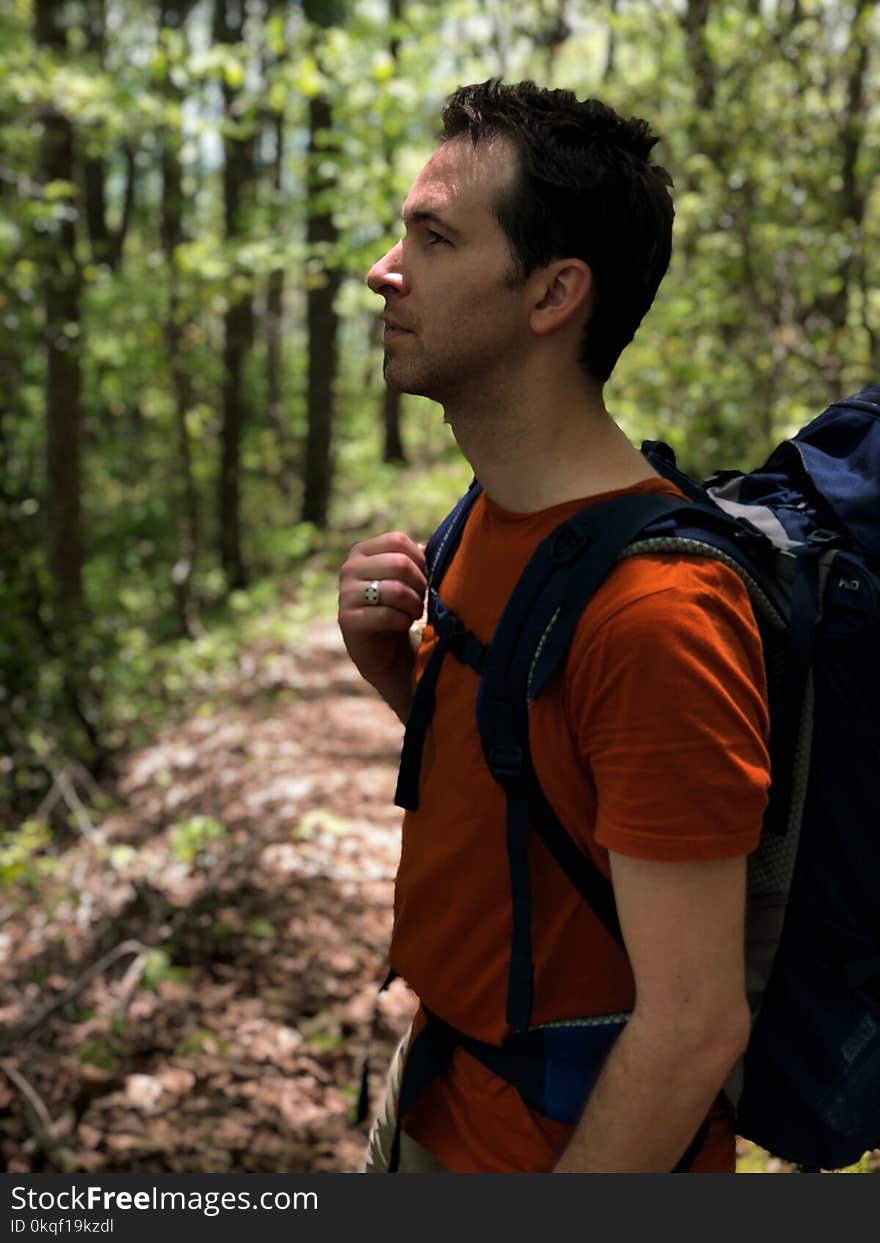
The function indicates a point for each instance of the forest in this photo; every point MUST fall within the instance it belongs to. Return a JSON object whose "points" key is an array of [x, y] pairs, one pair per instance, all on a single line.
{"points": [[197, 836]]}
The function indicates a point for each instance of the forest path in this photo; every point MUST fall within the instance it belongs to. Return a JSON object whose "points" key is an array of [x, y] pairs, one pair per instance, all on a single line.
{"points": [[252, 850]]}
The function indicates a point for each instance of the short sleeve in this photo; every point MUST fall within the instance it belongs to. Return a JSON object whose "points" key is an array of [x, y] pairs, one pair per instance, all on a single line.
{"points": [[667, 702]]}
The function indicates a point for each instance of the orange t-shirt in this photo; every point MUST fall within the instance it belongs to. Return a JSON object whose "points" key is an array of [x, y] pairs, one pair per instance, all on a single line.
{"points": [[652, 743]]}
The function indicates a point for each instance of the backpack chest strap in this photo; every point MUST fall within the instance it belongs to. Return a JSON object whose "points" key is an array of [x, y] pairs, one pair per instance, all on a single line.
{"points": [[457, 640]]}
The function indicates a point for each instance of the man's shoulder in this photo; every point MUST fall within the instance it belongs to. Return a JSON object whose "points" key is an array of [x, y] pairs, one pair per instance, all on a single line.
{"points": [[650, 586], [669, 609]]}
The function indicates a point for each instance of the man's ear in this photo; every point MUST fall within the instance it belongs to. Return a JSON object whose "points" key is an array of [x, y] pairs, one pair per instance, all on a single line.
{"points": [[563, 290]]}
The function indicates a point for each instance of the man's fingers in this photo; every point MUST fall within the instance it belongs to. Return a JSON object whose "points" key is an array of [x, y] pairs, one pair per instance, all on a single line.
{"points": [[396, 565], [376, 619], [399, 579], [394, 595], [389, 567], [393, 543]]}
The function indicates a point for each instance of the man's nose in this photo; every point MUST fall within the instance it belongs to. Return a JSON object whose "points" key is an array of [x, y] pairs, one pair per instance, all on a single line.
{"points": [[387, 272]]}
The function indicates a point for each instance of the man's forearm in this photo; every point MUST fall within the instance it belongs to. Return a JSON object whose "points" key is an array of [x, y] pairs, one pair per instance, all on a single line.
{"points": [[648, 1103]]}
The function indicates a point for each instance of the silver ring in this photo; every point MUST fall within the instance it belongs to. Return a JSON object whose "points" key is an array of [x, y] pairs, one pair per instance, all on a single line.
{"points": [[371, 592]]}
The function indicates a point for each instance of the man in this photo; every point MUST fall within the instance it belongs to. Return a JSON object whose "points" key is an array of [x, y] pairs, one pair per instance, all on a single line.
{"points": [[536, 236]]}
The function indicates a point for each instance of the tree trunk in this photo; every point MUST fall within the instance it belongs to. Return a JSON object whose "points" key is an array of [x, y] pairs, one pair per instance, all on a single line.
{"points": [[96, 209], [274, 330], [238, 177], [275, 326], [611, 46], [695, 20], [393, 447], [705, 134], [392, 450], [60, 279], [830, 312], [93, 165], [553, 32], [172, 234], [237, 328], [853, 193], [106, 243], [323, 327]]}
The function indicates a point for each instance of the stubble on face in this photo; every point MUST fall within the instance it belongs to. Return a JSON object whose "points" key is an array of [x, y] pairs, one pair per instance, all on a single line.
{"points": [[463, 309]]}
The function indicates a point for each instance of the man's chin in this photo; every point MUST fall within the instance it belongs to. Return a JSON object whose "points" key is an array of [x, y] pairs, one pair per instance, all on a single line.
{"points": [[396, 378]]}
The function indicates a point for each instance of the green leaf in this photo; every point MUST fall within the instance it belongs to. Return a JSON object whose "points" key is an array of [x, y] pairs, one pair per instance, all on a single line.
{"points": [[202, 1040], [233, 73], [306, 78], [54, 191]]}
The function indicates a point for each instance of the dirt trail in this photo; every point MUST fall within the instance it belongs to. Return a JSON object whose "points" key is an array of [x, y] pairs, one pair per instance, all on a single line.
{"points": [[236, 1042]]}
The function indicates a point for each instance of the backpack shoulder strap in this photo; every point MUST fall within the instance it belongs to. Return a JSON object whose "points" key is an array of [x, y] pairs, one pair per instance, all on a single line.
{"points": [[580, 551], [445, 540], [438, 553]]}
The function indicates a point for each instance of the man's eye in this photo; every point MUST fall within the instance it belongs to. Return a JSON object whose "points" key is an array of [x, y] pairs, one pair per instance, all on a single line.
{"points": [[435, 239]]}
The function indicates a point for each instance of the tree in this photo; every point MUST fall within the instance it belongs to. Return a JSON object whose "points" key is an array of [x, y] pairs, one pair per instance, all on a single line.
{"points": [[325, 278], [392, 439], [61, 287], [106, 243], [765, 313], [172, 16], [277, 56], [238, 321], [137, 373]]}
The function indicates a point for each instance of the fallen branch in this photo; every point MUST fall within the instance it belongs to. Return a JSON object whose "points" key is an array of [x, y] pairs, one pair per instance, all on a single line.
{"points": [[29, 1092], [31, 1022], [43, 1129], [63, 788], [130, 983]]}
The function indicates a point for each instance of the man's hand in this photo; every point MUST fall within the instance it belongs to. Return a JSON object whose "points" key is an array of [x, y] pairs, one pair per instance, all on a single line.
{"points": [[377, 635]]}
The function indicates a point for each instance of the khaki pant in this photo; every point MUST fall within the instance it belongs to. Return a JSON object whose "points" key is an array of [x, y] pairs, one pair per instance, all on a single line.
{"points": [[414, 1159]]}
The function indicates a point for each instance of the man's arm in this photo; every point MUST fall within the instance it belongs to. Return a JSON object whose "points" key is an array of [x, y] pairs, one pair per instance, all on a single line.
{"points": [[377, 636], [683, 926]]}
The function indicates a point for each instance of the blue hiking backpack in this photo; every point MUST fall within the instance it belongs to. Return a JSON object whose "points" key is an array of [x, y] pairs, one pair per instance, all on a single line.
{"points": [[803, 533]]}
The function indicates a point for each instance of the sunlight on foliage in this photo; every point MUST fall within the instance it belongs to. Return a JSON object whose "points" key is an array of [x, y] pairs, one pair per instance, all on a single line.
{"points": [[158, 968], [260, 928], [316, 822], [97, 1053], [189, 840], [754, 1160], [22, 854], [202, 1040]]}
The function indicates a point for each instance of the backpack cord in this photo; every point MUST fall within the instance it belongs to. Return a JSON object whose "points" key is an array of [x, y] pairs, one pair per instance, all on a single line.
{"points": [[786, 725]]}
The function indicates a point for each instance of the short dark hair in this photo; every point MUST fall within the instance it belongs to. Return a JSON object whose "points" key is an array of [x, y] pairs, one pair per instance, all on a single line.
{"points": [[587, 189]]}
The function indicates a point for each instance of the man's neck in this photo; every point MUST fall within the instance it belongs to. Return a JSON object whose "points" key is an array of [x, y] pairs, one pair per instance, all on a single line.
{"points": [[532, 452]]}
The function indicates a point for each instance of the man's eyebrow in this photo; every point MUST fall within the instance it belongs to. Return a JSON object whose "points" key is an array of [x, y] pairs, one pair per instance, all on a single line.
{"points": [[424, 215]]}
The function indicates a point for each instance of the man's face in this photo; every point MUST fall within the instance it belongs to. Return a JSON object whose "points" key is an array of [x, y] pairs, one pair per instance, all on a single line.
{"points": [[455, 317]]}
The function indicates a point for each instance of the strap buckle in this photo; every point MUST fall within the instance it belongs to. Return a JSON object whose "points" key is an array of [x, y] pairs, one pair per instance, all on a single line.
{"points": [[568, 543], [506, 763], [453, 633], [823, 537]]}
